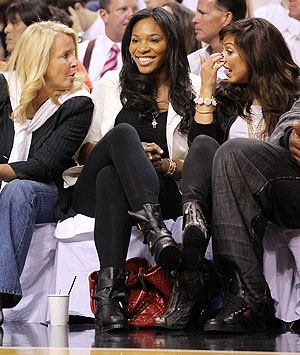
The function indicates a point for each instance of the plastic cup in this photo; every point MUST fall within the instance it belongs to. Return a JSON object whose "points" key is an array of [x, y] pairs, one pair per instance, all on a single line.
{"points": [[59, 336], [58, 309]]}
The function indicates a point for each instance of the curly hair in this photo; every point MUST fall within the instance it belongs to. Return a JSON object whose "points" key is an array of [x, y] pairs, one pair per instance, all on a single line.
{"points": [[138, 90], [272, 73]]}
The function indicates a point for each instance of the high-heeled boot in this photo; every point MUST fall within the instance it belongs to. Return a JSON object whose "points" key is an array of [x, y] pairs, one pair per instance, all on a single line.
{"points": [[188, 295], [157, 236], [110, 299], [194, 226]]}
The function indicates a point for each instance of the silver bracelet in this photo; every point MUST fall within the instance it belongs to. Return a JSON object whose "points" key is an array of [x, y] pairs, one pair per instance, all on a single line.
{"points": [[172, 168]]}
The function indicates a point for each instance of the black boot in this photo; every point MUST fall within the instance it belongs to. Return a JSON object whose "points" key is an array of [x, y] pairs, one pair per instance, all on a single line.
{"points": [[194, 226], [110, 298], [237, 316], [157, 236], [216, 297], [1, 317], [188, 296]]}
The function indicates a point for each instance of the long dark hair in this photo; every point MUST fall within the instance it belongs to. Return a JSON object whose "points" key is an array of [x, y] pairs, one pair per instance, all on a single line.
{"points": [[30, 11], [139, 90], [272, 78]]}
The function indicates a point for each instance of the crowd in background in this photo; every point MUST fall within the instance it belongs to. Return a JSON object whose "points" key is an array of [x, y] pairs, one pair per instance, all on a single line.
{"points": [[206, 88]]}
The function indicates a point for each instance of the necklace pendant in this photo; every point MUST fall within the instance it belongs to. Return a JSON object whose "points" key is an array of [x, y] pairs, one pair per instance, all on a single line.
{"points": [[154, 123]]}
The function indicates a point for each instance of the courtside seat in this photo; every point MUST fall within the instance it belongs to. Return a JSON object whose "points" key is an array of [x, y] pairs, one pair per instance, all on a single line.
{"points": [[59, 253]]}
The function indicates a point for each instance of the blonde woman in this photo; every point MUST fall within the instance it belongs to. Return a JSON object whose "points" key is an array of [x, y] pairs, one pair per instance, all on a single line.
{"points": [[45, 114]]}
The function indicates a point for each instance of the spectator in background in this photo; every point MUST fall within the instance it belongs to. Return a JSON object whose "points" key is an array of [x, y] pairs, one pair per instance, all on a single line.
{"points": [[184, 17], [103, 54], [3, 6], [294, 10], [93, 5], [157, 3], [20, 14], [277, 12], [60, 15], [211, 16], [86, 23]]}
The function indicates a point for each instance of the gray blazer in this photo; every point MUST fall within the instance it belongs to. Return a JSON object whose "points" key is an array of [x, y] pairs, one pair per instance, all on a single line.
{"points": [[285, 122]]}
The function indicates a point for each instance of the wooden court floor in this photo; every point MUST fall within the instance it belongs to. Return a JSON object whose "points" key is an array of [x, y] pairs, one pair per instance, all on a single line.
{"points": [[35, 339], [67, 351]]}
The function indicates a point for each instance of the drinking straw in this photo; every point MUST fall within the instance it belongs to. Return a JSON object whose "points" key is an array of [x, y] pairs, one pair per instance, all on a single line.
{"points": [[72, 286]]}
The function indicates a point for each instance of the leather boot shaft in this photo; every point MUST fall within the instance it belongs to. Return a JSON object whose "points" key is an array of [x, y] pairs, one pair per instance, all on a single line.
{"points": [[111, 299], [194, 227], [157, 236]]}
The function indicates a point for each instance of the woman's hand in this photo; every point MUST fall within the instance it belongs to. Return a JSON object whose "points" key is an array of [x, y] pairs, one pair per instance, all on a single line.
{"points": [[75, 19], [208, 73], [84, 152], [7, 173], [295, 143], [154, 153]]}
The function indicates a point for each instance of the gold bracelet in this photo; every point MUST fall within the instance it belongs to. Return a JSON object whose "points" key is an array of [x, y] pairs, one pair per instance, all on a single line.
{"points": [[204, 112], [172, 168]]}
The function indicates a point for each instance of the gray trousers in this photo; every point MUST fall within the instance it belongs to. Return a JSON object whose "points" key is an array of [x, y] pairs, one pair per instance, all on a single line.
{"points": [[253, 183]]}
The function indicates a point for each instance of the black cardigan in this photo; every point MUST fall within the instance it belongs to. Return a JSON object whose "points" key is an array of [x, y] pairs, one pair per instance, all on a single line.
{"points": [[218, 129]]}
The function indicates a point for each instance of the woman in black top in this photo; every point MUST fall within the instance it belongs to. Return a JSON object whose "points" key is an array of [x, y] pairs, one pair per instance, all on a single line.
{"points": [[125, 181]]}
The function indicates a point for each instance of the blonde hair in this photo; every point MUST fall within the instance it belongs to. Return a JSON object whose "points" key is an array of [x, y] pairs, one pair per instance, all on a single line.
{"points": [[30, 60]]}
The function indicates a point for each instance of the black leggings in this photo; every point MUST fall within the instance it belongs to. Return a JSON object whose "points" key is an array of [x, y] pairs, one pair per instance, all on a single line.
{"points": [[118, 177], [197, 173], [196, 187]]}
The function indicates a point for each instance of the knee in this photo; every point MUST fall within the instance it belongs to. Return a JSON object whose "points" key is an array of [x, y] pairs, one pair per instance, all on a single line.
{"points": [[204, 143], [228, 147], [232, 149], [124, 133], [17, 187], [17, 192]]}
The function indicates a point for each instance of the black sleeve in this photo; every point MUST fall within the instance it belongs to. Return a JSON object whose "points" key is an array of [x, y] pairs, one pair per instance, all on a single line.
{"points": [[207, 129], [285, 139], [55, 153]]}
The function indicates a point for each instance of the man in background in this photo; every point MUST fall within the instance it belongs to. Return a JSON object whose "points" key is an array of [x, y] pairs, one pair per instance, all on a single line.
{"points": [[103, 53], [211, 16]]}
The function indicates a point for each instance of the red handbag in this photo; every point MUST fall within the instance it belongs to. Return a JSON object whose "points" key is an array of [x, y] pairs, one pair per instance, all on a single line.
{"points": [[148, 291]]}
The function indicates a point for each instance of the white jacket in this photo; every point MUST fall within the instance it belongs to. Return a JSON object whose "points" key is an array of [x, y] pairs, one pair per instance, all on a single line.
{"points": [[106, 93]]}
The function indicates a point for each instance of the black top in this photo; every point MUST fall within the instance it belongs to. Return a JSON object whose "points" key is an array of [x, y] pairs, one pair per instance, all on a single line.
{"points": [[145, 129]]}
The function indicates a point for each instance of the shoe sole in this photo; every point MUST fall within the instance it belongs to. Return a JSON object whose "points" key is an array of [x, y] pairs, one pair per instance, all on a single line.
{"points": [[114, 327], [221, 329], [192, 236], [169, 257]]}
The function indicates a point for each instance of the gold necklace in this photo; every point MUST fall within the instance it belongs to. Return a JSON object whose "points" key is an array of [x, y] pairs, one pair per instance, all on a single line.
{"points": [[256, 132]]}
